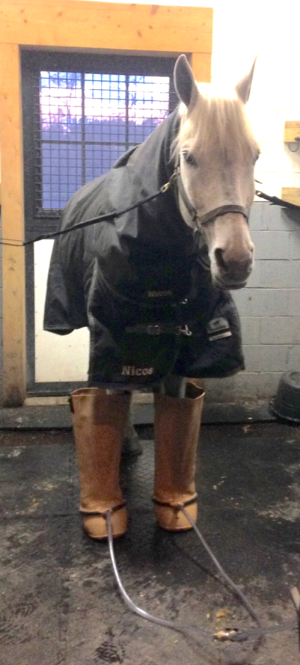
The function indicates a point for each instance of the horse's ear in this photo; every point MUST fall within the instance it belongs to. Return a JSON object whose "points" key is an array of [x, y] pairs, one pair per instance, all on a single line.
{"points": [[243, 88], [184, 81]]}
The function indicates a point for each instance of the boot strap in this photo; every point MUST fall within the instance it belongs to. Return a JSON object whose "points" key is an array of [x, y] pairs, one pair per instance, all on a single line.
{"points": [[177, 505], [100, 513]]}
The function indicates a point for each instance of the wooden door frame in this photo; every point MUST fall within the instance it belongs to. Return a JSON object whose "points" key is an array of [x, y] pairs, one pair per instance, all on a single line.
{"points": [[73, 25]]}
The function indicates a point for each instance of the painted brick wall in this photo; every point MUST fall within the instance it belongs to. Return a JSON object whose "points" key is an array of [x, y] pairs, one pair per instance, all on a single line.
{"points": [[269, 308]]}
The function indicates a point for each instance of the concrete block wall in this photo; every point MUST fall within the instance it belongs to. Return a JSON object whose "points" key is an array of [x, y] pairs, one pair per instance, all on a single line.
{"points": [[269, 308]]}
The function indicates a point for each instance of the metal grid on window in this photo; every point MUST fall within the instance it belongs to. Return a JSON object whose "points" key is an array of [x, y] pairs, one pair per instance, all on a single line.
{"points": [[84, 122]]}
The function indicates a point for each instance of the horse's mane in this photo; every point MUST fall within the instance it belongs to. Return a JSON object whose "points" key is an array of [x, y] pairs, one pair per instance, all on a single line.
{"points": [[216, 121]]}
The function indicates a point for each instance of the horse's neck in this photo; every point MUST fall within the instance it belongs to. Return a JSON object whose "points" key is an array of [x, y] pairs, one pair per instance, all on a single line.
{"points": [[155, 152]]}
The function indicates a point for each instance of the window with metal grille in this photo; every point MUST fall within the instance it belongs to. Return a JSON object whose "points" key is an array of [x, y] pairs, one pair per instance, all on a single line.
{"points": [[80, 114], [89, 120]]}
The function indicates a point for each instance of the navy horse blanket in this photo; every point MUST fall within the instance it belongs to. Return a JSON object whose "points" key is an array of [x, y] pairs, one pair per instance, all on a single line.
{"points": [[141, 283]]}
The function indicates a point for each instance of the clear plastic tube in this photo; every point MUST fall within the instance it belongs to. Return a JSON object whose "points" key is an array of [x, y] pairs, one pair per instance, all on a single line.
{"points": [[132, 606], [222, 572], [187, 630]]}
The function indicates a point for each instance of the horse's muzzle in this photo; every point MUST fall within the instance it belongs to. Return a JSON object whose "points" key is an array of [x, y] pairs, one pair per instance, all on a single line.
{"points": [[232, 274], [231, 250]]}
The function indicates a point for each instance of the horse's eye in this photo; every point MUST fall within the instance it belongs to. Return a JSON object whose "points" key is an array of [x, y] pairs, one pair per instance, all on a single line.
{"points": [[189, 158]]}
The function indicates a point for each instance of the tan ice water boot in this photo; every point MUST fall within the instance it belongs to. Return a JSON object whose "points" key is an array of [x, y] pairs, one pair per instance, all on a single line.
{"points": [[177, 427], [98, 425]]}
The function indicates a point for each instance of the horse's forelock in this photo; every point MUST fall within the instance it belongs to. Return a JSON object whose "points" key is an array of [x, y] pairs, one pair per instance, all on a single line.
{"points": [[215, 122]]}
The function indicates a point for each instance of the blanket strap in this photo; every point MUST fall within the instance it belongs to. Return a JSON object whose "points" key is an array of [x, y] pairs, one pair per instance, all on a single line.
{"points": [[159, 329]]}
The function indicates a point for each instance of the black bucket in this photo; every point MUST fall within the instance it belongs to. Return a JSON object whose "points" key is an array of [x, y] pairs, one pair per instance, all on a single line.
{"points": [[286, 403]]}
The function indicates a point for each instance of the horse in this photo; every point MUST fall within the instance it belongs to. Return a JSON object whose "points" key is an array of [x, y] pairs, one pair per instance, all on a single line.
{"points": [[152, 280]]}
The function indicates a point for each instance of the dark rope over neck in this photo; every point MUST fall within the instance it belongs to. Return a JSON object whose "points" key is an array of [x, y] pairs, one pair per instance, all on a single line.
{"points": [[111, 216], [107, 217]]}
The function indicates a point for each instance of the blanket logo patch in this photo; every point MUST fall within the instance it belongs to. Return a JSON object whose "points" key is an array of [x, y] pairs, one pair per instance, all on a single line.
{"points": [[218, 329], [131, 370]]}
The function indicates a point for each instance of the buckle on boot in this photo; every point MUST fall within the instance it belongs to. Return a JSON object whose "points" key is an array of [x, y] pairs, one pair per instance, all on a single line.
{"points": [[102, 513], [177, 505]]}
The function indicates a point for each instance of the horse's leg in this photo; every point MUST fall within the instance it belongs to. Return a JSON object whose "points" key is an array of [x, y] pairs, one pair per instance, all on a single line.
{"points": [[173, 385], [99, 418], [178, 408], [131, 444]]}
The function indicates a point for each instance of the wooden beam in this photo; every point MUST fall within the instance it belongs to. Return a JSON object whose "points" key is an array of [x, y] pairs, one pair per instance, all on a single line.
{"points": [[106, 25], [291, 194], [291, 131], [14, 337], [201, 66]]}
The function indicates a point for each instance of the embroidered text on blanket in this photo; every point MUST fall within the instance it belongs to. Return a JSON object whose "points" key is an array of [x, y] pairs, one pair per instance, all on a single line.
{"points": [[131, 370]]}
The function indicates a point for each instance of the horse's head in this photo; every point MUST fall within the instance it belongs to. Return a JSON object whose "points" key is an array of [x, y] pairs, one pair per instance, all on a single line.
{"points": [[216, 154]]}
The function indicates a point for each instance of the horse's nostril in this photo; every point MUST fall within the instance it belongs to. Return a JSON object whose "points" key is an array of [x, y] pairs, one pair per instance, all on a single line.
{"points": [[235, 269], [225, 261], [219, 256]]}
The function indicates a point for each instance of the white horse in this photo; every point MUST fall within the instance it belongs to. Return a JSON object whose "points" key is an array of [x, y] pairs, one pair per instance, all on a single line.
{"points": [[217, 153], [156, 313]]}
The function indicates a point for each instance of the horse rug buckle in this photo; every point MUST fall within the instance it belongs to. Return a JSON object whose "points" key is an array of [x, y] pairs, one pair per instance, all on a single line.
{"points": [[154, 329], [183, 330]]}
